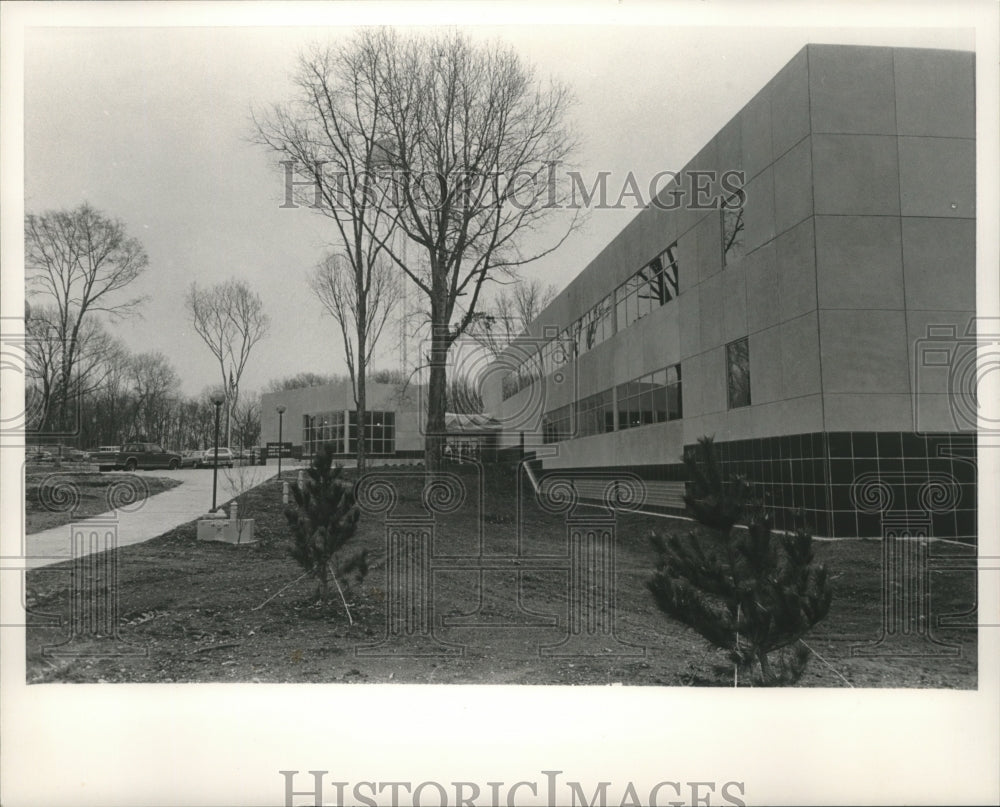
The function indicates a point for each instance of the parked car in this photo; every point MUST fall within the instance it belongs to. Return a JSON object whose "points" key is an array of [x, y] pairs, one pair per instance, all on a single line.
{"points": [[226, 457], [104, 456], [191, 459], [67, 453], [37, 454], [141, 455]]}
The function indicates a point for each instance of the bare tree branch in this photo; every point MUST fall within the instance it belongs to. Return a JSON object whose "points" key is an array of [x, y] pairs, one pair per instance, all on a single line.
{"points": [[78, 262], [230, 320]]}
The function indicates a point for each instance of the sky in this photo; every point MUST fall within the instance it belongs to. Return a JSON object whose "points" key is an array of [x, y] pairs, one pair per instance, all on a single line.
{"points": [[148, 121], [151, 125]]}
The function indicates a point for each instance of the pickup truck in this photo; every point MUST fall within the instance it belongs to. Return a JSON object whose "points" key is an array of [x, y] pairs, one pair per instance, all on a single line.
{"points": [[137, 455]]}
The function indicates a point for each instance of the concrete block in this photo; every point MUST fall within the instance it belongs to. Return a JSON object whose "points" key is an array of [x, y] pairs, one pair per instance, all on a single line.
{"points": [[227, 530], [793, 187], [939, 263], [874, 412], [851, 90], [734, 302], [935, 92], [765, 366], [711, 306], [795, 258], [937, 177], [758, 211], [755, 119], [763, 308], [855, 175], [790, 104], [859, 262], [864, 351], [799, 356]]}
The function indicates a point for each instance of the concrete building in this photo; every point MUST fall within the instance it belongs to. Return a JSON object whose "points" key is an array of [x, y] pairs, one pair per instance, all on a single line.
{"points": [[315, 416], [318, 415], [812, 323]]}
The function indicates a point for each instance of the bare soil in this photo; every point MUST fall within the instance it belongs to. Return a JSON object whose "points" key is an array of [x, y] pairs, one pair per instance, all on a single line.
{"points": [[193, 611], [48, 496]]}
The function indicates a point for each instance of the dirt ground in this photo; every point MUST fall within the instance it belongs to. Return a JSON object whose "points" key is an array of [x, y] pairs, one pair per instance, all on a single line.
{"points": [[46, 495], [193, 611]]}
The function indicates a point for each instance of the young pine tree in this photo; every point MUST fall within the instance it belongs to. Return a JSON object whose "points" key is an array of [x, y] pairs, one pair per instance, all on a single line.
{"points": [[751, 593], [323, 519]]}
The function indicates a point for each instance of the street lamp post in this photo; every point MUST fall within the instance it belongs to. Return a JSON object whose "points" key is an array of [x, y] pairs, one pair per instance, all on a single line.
{"points": [[281, 419], [217, 399]]}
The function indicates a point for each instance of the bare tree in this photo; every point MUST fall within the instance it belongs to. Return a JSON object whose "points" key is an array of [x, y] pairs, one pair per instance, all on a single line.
{"points": [[389, 376], [230, 319], [330, 131], [300, 380], [464, 397], [112, 402], [461, 143], [473, 142], [360, 300], [153, 383], [57, 401], [512, 310], [78, 261], [247, 418]]}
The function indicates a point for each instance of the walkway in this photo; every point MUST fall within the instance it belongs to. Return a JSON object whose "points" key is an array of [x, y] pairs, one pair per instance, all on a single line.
{"points": [[157, 514]]}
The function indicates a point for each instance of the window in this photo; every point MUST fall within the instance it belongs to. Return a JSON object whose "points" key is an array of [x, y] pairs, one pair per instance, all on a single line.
{"points": [[652, 398], [675, 410], [380, 432], [668, 278], [595, 414], [733, 248], [738, 372], [323, 428], [557, 425], [620, 308], [655, 285]]}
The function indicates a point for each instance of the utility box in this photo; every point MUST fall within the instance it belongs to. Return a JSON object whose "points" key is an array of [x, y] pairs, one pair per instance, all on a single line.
{"points": [[227, 530]]}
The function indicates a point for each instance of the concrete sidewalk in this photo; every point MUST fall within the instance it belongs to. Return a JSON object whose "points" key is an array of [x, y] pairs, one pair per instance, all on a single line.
{"points": [[156, 515]]}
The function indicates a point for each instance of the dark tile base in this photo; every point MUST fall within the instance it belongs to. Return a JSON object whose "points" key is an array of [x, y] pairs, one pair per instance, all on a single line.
{"points": [[863, 484]]}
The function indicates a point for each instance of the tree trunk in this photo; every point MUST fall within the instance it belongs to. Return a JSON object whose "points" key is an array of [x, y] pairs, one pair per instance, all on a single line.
{"points": [[322, 586], [437, 398], [766, 673], [362, 405]]}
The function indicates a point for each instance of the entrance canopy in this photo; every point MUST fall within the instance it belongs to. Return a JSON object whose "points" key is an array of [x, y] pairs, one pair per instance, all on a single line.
{"points": [[459, 424]]}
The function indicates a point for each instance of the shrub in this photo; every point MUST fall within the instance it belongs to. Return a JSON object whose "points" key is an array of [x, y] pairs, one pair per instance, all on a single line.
{"points": [[323, 519], [749, 592]]}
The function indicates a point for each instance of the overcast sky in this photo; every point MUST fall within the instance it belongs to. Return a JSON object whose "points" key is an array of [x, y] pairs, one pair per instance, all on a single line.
{"points": [[151, 125]]}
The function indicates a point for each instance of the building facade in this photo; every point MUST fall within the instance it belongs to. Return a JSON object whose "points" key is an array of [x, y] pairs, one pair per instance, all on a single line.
{"points": [[803, 291], [315, 416]]}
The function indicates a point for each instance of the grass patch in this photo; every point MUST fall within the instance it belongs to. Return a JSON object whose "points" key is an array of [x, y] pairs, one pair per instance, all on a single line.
{"points": [[196, 610], [48, 494]]}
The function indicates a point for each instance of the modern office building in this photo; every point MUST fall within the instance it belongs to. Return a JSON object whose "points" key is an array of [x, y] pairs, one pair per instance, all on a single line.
{"points": [[315, 416], [813, 312]]}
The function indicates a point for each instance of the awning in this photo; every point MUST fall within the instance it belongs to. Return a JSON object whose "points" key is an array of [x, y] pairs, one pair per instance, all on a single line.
{"points": [[459, 423]]}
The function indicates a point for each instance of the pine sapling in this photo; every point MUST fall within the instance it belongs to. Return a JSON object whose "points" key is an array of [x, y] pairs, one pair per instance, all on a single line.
{"points": [[323, 519], [749, 592]]}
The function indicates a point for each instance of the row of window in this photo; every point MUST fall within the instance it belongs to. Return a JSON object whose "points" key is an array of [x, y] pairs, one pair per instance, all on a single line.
{"points": [[652, 398], [331, 427], [654, 285]]}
